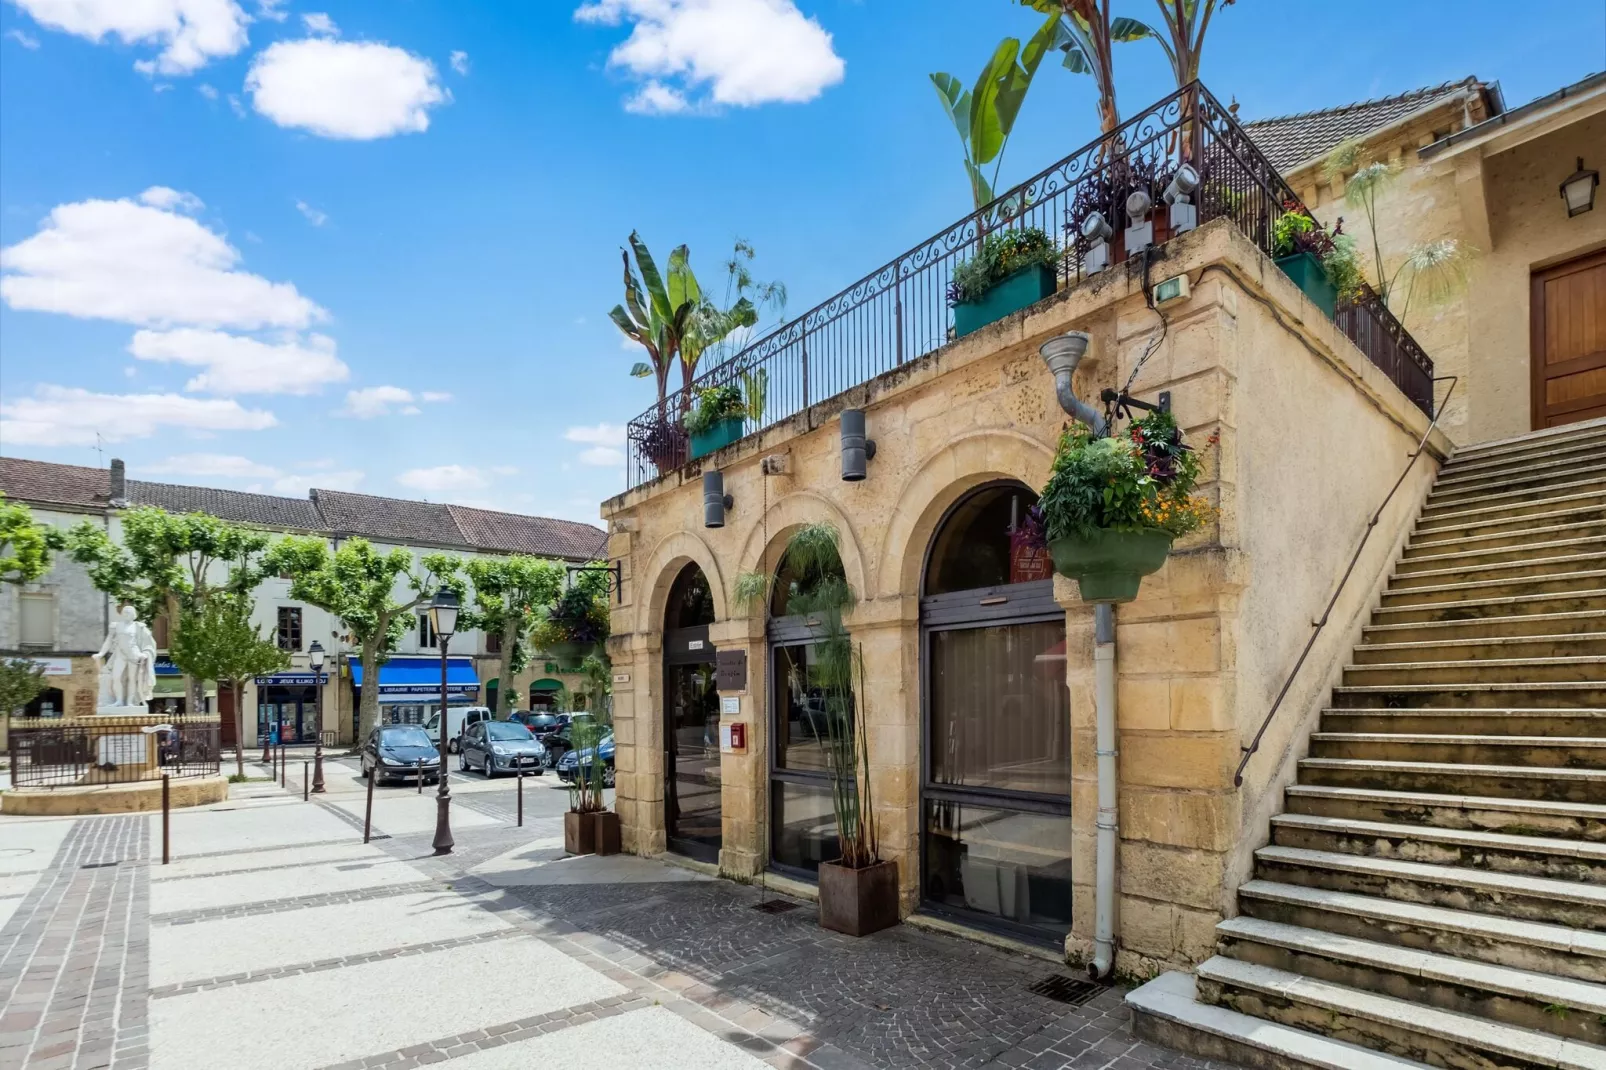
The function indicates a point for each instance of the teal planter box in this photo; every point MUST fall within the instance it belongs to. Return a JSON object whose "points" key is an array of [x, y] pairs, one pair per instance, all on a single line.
{"points": [[1009, 294], [719, 436], [1308, 275]]}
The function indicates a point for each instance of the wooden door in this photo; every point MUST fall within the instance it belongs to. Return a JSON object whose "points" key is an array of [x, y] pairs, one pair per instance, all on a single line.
{"points": [[1568, 342]]}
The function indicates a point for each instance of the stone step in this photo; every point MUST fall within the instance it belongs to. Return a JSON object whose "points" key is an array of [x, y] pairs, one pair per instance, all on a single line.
{"points": [[1497, 648], [1507, 895], [1529, 447], [1586, 480], [1506, 721], [1560, 469], [1538, 565], [1522, 525], [1474, 813], [1582, 539], [1553, 752], [1473, 629], [1571, 582], [1534, 695], [1555, 950], [1166, 1011], [1479, 671], [1399, 1027], [1517, 540], [1575, 1010], [1531, 856], [1459, 778], [1477, 608], [1591, 496]]}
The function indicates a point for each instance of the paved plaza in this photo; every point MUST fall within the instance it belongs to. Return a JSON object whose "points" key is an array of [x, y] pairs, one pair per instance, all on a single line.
{"points": [[277, 939]]}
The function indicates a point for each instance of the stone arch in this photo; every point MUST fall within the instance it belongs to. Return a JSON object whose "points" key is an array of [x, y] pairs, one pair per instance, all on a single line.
{"points": [[673, 553], [785, 517], [964, 464]]}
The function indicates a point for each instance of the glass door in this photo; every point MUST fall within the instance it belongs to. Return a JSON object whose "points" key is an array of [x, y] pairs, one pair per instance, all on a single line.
{"points": [[692, 813]]}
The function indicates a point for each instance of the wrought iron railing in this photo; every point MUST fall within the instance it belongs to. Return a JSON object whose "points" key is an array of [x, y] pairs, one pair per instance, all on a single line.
{"points": [[109, 750], [901, 312]]}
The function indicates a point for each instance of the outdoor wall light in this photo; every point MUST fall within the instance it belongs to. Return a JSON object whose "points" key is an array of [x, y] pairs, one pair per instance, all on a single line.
{"points": [[1140, 228], [1097, 230], [1184, 215], [856, 448], [715, 500], [1578, 191], [443, 613], [1062, 355]]}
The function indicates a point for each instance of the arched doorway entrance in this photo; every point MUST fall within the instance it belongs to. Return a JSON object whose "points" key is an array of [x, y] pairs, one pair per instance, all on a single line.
{"points": [[545, 695], [996, 755], [48, 703], [692, 812]]}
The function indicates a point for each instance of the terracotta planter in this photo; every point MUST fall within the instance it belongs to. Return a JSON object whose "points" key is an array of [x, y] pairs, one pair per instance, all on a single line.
{"points": [[859, 901], [605, 833], [579, 833]]}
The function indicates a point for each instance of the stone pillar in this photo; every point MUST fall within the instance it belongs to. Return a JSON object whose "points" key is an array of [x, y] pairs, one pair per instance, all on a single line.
{"points": [[887, 634], [638, 728], [744, 777]]}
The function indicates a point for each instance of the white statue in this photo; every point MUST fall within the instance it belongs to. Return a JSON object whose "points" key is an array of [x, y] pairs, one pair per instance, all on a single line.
{"points": [[128, 662]]}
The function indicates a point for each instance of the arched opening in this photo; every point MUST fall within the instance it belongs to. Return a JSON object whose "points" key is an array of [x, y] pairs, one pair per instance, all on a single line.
{"points": [[996, 762], [48, 703], [545, 694], [692, 784], [802, 822]]}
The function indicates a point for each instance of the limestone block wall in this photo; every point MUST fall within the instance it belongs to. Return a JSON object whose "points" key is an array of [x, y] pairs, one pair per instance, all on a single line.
{"points": [[1311, 438]]}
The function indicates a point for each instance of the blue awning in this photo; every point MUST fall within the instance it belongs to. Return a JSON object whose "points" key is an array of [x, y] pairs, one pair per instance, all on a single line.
{"points": [[292, 679], [400, 677]]}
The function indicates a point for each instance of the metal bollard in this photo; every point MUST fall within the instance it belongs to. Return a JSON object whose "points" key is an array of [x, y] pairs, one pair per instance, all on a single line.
{"points": [[166, 829], [420, 777], [521, 796], [368, 810], [305, 783], [284, 776]]}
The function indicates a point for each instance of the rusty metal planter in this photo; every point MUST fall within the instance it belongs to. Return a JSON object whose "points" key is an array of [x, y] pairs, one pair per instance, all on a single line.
{"points": [[858, 901]]}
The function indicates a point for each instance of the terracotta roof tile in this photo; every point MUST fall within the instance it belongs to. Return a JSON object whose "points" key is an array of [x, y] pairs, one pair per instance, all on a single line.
{"points": [[267, 510], [388, 519], [1291, 140], [46, 483], [487, 529]]}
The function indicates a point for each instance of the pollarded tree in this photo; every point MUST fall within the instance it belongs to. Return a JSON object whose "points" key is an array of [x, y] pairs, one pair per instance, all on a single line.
{"points": [[220, 643], [21, 681], [25, 544], [357, 583], [509, 592]]}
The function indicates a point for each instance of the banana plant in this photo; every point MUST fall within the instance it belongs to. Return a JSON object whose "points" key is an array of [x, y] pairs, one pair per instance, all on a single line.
{"points": [[707, 326], [1186, 29], [1090, 35], [657, 311], [984, 115]]}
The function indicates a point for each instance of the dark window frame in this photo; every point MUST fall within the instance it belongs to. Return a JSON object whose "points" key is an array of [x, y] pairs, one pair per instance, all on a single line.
{"points": [[427, 639], [289, 632]]}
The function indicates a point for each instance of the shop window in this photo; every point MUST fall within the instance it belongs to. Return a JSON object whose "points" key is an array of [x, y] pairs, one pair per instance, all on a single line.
{"points": [[289, 627], [48, 703], [427, 639], [976, 548], [38, 624], [691, 602], [493, 642]]}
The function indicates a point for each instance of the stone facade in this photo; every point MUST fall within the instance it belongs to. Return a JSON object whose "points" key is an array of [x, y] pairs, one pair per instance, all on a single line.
{"points": [[1311, 438]]}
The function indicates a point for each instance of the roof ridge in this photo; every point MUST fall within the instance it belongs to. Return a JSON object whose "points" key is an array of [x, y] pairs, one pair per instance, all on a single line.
{"points": [[217, 490], [525, 516], [1429, 90]]}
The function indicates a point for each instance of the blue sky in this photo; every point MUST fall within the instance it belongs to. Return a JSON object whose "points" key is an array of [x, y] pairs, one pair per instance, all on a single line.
{"points": [[372, 245]]}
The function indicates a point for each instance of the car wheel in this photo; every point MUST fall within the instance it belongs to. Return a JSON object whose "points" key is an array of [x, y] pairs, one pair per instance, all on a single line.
{"points": [[607, 776], [486, 769], [452, 747], [462, 762]]}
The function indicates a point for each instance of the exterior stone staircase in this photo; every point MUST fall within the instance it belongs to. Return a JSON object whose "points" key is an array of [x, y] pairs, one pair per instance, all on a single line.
{"points": [[1436, 890]]}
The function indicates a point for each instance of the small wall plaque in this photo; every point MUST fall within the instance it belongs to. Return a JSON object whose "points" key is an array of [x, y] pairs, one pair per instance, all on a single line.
{"points": [[731, 705], [730, 670]]}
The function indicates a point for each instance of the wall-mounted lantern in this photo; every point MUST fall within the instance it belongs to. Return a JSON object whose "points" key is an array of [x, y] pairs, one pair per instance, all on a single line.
{"points": [[1578, 190], [715, 500], [857, 449]]}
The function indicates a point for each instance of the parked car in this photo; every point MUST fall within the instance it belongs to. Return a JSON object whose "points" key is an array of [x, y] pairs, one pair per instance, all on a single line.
{"points": [[500, 747], [457, 719], [394, 751], [569, 766]]}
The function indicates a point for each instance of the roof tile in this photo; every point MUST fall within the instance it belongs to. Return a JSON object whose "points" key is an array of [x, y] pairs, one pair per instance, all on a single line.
{"points": [[390, 519], [543, 536], [267, 510], [1291, 140], [48, 483]]}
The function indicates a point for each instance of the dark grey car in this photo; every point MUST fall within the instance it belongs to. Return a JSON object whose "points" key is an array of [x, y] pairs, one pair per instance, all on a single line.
{"points": [[500, 747], [400, 752]]}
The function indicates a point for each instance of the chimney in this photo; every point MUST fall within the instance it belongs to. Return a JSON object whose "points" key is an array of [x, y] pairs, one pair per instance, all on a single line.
{"points": [[119, 483]]}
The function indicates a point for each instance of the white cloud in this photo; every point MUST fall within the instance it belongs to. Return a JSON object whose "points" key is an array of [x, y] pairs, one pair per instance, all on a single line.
{"points": [[442, 479], [321, 24], [239, 365], [315, 217], [743, 52], [373, 401], [213, 465], [235, 106], [72, 416], [270, 10], [600, 435], [191, 32], [602, 457], [434, 396], [344, 89], [341, 479], [143, 263], [207, 91], [503, 470], [25, 40], [459, 62]]}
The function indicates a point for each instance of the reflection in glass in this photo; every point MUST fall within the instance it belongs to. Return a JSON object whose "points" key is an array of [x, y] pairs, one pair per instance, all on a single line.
{"points": [[1000, 711], [691, 602], [805, 826], [973, 550], [801, 721], [1007, 864], [692, 805]]}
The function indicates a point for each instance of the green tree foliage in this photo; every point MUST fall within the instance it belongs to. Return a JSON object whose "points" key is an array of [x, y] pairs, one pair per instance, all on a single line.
{"points": [[580, 614], [21, 681], [598, 672], [509, 593], [1090, 34], [219, 643], [1185, 22], [358, 584], [25, 544], [658, 309]]}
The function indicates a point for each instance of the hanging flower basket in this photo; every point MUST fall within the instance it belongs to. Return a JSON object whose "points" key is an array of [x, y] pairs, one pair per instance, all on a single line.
{"points": [[1109, 566], [569, 653]]}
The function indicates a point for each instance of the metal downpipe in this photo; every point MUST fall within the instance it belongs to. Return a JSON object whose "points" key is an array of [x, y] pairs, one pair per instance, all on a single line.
{"points": [[1103, 962]]}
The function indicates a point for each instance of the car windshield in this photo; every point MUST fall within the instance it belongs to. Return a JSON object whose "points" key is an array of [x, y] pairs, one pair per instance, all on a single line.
{"points": [[404, 736], [508, 732], [545, 720], [433, 723]]}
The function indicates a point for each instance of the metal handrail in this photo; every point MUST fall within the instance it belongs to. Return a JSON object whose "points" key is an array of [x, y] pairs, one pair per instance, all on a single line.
{"points": [[1318, 625]]}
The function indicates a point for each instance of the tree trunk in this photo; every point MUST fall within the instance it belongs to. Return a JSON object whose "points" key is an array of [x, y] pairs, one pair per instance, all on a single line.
{"points": [[368, 708], [237, 691], [505, 693]]}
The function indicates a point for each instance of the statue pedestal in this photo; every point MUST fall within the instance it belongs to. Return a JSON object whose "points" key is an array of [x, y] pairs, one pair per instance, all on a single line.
{"points": [[142, 710]]}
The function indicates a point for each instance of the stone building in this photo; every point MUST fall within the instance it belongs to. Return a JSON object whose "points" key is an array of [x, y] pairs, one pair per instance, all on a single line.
{"points": [[60, 620], [979, 693]]}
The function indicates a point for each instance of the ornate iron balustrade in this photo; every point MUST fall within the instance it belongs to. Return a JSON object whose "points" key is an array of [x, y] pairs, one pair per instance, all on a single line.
{"points": [[49, 753], [900, 312]]}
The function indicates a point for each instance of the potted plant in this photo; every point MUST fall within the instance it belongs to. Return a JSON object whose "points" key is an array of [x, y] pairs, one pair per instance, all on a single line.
{"points": [[590, 827], [663, 443], [572, 626], [1013, 269], [715, 420], [1325, 267], [1113, 505]]}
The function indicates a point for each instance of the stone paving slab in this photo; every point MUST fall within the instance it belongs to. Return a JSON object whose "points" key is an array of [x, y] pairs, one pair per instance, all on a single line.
{"points": [[542, 862], [352, 852], [266, 886], [338, 1015], [232, 827], [27, 846], [649, 1037], [408, 812], [243, 944]]}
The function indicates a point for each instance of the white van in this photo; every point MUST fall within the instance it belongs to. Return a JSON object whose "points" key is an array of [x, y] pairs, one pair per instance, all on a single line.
{"points": [[457, 719]]}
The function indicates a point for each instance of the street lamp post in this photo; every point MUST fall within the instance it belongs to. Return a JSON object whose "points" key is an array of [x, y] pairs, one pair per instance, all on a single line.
{"points": [[315, 659], [443, 617]]}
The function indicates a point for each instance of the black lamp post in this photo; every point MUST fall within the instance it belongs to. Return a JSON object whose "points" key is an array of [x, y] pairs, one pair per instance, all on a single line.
{"points": [[315, 659], [443, 618]]}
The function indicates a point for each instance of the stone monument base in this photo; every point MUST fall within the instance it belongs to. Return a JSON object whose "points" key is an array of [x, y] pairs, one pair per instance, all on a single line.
{"points": [[131, 797]]}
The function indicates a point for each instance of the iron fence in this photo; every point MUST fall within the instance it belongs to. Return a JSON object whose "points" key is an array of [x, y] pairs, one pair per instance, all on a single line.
{"points": [[110, 750], [901, 311]]}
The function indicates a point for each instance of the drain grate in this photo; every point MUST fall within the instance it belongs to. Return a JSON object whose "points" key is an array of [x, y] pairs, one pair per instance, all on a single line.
{"points": [[1066, 989], [775, 906]]}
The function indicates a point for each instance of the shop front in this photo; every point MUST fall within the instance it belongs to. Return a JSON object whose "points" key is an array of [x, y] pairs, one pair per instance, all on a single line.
{"points": [[287, 703], [410, 688]]}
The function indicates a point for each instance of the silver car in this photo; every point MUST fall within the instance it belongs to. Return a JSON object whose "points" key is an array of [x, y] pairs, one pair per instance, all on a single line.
{"points": [[500, 747]]}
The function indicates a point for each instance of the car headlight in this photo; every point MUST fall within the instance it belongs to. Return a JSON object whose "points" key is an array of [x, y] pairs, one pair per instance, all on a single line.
{"points": [[499, 751]]}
